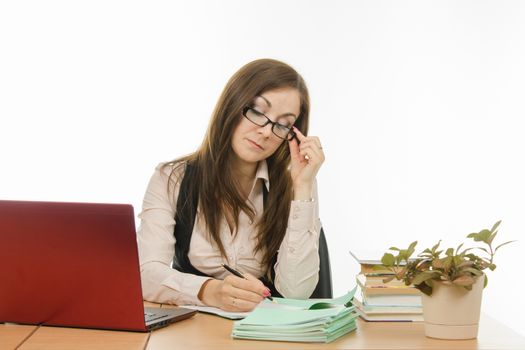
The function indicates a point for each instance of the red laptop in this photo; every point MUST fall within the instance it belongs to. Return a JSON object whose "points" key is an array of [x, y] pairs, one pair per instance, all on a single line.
{"points": [[75, 265]]}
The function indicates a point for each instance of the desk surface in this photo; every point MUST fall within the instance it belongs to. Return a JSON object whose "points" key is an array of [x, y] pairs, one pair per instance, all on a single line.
{"points": [[13, 335], [212, 332]]}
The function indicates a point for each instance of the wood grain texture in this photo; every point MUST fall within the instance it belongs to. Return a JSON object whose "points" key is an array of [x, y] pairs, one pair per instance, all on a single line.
{"points": [[12, 335], [60, 338], [211, 332]]}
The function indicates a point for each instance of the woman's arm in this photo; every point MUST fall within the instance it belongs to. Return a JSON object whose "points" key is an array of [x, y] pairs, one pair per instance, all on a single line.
{"points": [[297, 267], [160, 282]]}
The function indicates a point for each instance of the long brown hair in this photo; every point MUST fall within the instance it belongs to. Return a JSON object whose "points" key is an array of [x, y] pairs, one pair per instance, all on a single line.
{"points": [[219, 193]]}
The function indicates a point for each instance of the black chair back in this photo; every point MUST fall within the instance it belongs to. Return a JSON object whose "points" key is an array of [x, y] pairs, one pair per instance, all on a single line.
{"points": [[324, 286]]}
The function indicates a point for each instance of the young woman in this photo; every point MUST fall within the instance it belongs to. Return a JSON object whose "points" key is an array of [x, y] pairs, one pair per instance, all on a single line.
{"points": [[251, 190]]}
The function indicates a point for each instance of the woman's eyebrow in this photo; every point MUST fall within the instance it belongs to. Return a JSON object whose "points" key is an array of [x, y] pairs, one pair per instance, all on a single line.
{"points": [[265, 99], [270, 105]]}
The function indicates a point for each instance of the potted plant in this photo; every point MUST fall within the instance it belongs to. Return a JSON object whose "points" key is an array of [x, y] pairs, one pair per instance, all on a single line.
{"points": [[451, 282]]}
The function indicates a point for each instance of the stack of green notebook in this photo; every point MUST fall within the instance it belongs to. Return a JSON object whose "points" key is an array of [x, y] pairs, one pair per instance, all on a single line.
{"points": [[319, 320]]}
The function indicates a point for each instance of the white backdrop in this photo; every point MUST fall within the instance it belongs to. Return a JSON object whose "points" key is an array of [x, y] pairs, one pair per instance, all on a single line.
{"points": [[419, 106]]}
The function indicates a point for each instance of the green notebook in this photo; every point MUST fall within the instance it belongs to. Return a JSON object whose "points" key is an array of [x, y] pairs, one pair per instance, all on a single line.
{"points": [[312, 320]]}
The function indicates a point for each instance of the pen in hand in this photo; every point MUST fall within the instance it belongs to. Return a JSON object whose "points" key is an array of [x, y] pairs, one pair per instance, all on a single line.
{"points": [[238, 274]]}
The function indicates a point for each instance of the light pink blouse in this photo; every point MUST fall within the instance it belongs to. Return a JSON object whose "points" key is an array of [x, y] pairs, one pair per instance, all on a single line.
{"points": [[296, 269]]}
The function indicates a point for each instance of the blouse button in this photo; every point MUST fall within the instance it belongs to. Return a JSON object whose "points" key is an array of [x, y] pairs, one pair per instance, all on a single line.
{"points": [[291, 249], [295, 216]]}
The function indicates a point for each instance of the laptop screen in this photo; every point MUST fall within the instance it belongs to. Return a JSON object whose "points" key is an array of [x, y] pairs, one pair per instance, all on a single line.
{"points": [[70, 264]]}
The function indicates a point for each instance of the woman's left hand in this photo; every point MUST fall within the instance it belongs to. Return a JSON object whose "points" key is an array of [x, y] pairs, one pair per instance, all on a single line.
{"points": [[307, 158]]}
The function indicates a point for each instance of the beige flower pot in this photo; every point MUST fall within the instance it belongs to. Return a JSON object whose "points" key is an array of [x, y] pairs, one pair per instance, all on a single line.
{"points": [[452, 312]]}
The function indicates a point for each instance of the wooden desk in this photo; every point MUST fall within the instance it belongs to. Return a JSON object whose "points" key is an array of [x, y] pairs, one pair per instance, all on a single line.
{"points": [[212, 332], [59, 338], [12, 335]]}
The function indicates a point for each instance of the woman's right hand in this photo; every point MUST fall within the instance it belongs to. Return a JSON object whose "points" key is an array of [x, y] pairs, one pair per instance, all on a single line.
{"points": [[234, 293]]}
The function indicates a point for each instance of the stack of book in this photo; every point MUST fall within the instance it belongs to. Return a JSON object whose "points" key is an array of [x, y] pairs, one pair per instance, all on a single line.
{"points": [[321, 320], [380, 301]]}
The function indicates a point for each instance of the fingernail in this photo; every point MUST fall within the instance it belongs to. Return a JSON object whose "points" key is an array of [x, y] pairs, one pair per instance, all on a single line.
{"points": [[266, 293]]}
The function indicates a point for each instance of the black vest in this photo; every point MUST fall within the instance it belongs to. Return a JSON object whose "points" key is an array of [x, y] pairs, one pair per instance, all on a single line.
{"points": [[184, 222]]}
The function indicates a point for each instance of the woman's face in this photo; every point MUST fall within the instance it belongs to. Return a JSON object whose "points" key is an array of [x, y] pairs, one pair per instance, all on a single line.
{"points": [[253, 143]]}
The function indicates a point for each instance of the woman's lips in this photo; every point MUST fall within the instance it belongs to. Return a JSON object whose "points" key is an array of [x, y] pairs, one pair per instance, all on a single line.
{"points": [[255, 144]]}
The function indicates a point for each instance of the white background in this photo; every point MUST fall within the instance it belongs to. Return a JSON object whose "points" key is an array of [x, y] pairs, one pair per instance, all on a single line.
{"points": [[419, 106]]}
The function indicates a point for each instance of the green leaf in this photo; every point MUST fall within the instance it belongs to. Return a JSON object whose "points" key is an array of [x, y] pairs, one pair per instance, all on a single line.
{"points": [[437, 264], [387, 259], [449, 252], [486, 281], [484, 235], [422, 277], [394, 248], [502, 244], [481, 236], [436, 246], [473, 271], [424, 288], [457, 249], [401, 273], [484, 249], [447, 263], [401, 255], [473, 257], [464, 280], [495, 226], [426, 251], [466, 263], [491, 237], [420, 265]]}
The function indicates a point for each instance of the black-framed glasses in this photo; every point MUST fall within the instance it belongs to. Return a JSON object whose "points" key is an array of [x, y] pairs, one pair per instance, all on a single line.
{"points": [[281, 131]]}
